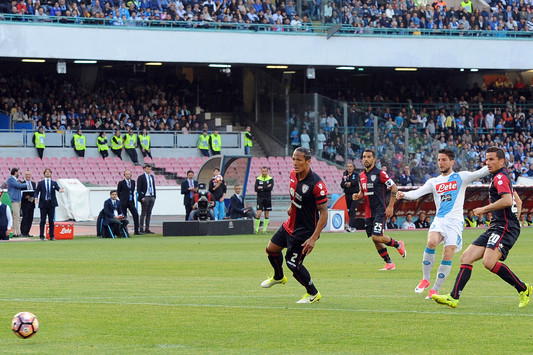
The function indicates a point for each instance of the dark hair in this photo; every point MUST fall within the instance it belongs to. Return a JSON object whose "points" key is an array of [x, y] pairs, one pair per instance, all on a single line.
{"points": [[216, 169], [500, 154], [14, 170], [370, 151], [265, 167], [306, 152], [112, 192], [448, 152], [46, 170], [147, 166]]}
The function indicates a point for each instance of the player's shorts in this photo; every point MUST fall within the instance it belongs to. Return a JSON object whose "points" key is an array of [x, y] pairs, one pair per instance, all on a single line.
{"points": [[451, 230], [294, 255], [264, 204], [499, 237], [375, 225]]}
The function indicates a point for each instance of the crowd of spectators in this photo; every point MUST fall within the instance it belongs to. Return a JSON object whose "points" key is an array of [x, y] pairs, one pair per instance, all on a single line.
{"points": [[63, 104], [467, 122], [395, 16]]}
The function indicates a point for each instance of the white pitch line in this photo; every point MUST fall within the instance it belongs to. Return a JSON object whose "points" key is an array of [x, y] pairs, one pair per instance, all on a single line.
{"points": [[292, 308]]}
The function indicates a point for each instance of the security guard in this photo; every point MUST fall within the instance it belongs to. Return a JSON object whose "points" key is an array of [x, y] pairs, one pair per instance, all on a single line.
{"points": [[144, 140], [215, 141], [116, 144], [101, 143], [203, 143], [248, 144], [467, 6], [78, 142], [38, 141], [130, 145]]}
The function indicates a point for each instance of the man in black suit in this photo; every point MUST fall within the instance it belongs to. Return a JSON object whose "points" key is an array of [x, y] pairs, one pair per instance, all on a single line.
{"points": [[146, 194], [113, 215], [236, 206], [27, 205], [126, 195], [46, 190], [188, 188]]}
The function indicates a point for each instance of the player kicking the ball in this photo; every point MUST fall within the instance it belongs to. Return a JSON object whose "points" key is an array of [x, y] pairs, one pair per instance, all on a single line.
{"points": [[308, 215], [448, 191], [494, 244]]}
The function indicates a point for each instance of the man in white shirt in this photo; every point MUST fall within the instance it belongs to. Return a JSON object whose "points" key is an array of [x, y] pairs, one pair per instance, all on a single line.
{"points": [[408, 224]]}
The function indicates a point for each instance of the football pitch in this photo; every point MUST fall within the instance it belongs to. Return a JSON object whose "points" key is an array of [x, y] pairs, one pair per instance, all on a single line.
{"points": [[201, 295]]}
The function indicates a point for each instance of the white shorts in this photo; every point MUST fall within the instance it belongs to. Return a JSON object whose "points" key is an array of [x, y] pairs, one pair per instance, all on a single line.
{"points": [[450, 229]]}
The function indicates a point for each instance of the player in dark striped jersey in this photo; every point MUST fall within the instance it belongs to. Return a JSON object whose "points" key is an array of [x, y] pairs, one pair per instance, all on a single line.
{"points": [[308, 215], [374, 184], [493, 246]]}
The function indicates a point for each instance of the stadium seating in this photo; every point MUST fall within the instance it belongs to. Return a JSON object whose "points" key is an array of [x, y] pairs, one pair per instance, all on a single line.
{"points": [[96, 171]]}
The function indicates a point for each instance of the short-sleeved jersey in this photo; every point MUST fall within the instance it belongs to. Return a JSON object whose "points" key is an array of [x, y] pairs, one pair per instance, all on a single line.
{"points": [[374, 184], [306, 195], [500, 184], [448, 192]]}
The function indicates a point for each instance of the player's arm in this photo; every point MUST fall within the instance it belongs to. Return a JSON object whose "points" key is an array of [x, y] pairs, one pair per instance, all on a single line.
{"points": [[415, 194], [506, 200], [474, 175], [309, 244], [389, 211], [256, 186], [518, 202], [269, 186]]}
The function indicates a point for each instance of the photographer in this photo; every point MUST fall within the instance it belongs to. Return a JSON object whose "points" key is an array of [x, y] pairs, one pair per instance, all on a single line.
{"points": [[203, 206]]}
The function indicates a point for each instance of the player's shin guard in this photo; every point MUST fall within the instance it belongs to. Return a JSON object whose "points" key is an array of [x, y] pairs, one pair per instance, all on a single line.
{"points": [[301, 274], [392, 243], [276, 260], [427, 263], [385, 255], [265, 224], [257, 223], [463, 276], [508, 276], [442, 273]]}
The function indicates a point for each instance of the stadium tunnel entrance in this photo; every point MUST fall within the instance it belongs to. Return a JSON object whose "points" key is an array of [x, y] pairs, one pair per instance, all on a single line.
{"points": [[235, 170]]}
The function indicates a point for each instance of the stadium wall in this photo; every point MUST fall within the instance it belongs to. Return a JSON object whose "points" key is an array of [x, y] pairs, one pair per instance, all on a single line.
{"points": [[164, 45]]}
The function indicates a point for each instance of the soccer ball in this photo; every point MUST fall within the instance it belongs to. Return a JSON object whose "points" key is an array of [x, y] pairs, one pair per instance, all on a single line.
{"points": [[25, 325], [219, 178]]}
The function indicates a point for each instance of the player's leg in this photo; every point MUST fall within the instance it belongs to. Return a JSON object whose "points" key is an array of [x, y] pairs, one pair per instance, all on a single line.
{"points": [[275, 257], [428, 260], [294, 259], [471, 254], [377, 235], [497, 250], [444, 269]]}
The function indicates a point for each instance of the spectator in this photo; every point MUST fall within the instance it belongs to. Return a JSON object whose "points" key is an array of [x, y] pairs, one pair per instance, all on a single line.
{"points": [[421, 221], [391, 224], [237, 209], [14, 190], [408, 224], [304, 139], [407, 179], [470, 220]]}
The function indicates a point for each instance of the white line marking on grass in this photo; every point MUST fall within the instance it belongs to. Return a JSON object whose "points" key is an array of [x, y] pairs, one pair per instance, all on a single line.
{"points": [[291, 308]]}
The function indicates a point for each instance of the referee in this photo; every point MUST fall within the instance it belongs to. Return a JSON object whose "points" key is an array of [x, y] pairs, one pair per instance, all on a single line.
{"points": [[264, 184], [350, 184]]}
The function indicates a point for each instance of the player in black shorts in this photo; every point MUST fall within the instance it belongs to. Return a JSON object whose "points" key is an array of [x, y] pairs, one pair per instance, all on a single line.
{"points": [[350, 185], [308, 215], [493, 246], [374, 184], [264, 184]]}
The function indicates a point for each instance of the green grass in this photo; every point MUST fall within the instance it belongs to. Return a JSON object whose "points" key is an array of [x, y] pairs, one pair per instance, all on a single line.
{"points": [[201, 295]]}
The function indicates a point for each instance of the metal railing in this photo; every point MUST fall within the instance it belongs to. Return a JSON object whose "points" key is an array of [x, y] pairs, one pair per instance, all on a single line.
{"points": [[301, 29]]}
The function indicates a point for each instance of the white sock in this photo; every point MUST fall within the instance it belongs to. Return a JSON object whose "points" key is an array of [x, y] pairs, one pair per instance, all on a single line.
{"points": [[427, 262], [443, 272]]}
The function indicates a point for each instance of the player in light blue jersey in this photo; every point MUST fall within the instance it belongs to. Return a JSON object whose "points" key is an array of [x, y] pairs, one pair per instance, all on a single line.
{"points": [[448, 191]]}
